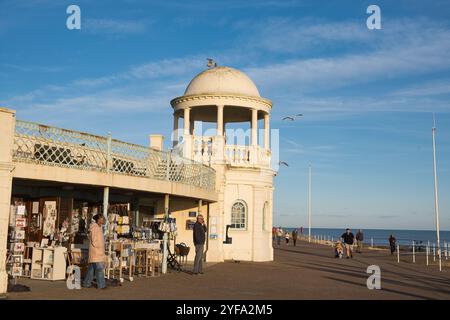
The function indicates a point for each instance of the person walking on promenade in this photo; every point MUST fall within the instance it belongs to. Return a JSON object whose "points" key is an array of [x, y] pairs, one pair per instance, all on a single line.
{"points": [[279, 235], [199, 243], [274, 233], [96, 254], [295, 236], [348, 239], [301, 230], [338, 250], [359, 241], [392, 243], [286, 236]]}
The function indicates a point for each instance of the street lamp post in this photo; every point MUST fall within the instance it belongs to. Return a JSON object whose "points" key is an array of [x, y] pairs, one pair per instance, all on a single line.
{"points": [[436, 202], [309, 204]]}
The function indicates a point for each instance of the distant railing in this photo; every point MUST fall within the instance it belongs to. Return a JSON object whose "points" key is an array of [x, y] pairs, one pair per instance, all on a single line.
{"points": [[53, 146]]}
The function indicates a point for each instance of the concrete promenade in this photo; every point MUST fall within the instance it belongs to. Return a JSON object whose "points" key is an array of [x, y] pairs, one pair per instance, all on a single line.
{"points": [[307, 271]]}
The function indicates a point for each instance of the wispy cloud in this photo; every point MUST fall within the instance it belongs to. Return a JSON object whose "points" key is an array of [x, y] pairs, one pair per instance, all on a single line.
{"points": [[38, 69], [113, 27], [162, 69], [140, 88], [434, 88], [304, 82], [292, 36]]}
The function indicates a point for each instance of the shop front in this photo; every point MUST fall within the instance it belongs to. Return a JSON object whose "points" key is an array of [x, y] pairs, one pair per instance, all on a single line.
{"points": [[49, 224]]}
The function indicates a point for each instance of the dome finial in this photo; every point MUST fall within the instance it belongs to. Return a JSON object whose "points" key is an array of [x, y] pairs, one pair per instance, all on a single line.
{"points": [[211, 63]]}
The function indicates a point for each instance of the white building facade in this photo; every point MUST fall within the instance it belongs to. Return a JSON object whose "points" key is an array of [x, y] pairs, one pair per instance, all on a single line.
{"points": [[223, 174], [240, 222]]}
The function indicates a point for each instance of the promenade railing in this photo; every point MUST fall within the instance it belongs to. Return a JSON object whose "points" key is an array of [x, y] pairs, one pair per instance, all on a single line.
{"points": [[47, 145], [405, 250]]}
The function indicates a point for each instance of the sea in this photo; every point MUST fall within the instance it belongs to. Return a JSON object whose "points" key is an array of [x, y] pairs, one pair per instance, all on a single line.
{"points": [[380, 236]]}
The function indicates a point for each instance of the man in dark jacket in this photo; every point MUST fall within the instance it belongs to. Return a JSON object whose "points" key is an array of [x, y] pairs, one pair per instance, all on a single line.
{"points": [[348, 238], [295, 236], [359, 241], [392, 243], [199, 243]]}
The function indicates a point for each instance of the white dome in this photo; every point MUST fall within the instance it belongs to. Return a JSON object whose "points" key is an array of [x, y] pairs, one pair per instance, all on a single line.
{"points": [[222, 80]]}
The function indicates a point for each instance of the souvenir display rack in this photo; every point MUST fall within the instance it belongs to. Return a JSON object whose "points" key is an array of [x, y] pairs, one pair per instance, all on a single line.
{"points": [[48, 263], [17, 225]]}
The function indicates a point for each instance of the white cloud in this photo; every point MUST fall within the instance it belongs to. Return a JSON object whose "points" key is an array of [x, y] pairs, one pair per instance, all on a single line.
{"points": [[295, 84], [293, 36], [113, 27], [434, 88]]}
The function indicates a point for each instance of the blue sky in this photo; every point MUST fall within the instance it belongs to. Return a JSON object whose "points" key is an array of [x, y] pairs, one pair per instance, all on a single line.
{"points": [[367, 95]]}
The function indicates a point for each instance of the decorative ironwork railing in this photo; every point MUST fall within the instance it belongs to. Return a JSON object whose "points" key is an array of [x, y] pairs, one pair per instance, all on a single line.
{"points": [[47, 145]]}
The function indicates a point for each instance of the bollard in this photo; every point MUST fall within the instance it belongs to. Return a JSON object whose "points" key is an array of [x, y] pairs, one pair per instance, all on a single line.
{"points": [[398, 253], [434, 251], [446, 250], [371, 242], [427, 252], [414, 251]]}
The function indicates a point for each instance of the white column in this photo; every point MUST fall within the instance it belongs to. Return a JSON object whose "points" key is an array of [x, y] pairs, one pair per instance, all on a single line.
{"points": [[220, 120], [166, 235], [191, 127], [175, 129], [254, 127], [266, 131], [7, 127], [187, 137], [105, 202], [219, 141], [187, 122], [254, 137]]}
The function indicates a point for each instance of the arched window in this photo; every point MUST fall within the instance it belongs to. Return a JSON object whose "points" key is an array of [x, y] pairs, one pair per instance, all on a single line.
{"points": [[239, 215], [265, 216]]}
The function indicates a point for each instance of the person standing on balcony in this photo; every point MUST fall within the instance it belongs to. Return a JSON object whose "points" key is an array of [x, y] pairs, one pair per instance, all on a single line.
{"points": [[199, 243], [96, 254]]}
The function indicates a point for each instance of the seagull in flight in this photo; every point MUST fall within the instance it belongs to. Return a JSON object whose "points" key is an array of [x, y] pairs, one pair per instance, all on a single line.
{"points": [[292, 118], [282, 163]]}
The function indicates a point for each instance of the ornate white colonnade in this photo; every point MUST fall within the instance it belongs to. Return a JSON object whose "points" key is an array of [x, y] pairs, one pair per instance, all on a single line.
{"points": [[188, 125]]}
